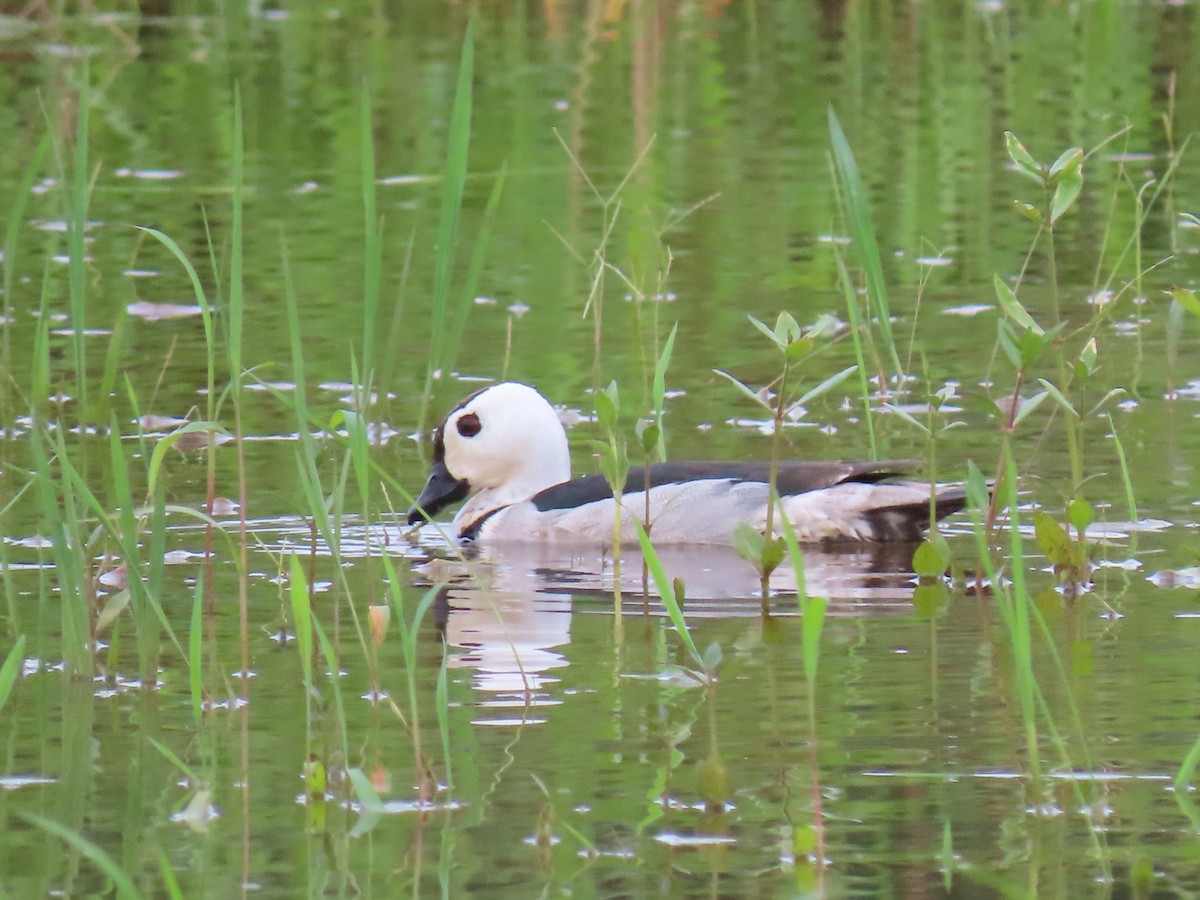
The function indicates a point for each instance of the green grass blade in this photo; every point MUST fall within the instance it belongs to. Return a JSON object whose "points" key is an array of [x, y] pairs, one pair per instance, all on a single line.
{"points": [[76, 247], [302, 614], [862, 232], [10, 669], [372, 240], [236, 295], [196, 651], [453, 186], [105, 863], [666, 592]]}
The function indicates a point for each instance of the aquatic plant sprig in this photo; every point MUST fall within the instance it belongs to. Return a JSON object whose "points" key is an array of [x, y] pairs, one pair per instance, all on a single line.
{"points": [[763, 549], [932, 556], [862, 234]]}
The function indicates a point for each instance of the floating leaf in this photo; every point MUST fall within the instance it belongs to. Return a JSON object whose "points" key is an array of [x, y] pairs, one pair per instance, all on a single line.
{"points": [[932, 557], [931, 598]]}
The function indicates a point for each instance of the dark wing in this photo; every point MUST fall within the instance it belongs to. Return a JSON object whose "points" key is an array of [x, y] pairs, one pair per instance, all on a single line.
{"points": [[795, 477]]}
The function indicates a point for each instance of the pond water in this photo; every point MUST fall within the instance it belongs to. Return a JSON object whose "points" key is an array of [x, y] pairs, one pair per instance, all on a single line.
{"points": [[660, 164]]}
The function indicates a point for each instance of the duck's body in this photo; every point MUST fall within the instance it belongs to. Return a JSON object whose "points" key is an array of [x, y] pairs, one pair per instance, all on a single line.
{"points": [[504, 450]]}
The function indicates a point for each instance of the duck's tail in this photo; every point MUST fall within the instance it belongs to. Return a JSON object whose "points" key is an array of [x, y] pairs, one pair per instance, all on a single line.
{"points": [[885, 511]]}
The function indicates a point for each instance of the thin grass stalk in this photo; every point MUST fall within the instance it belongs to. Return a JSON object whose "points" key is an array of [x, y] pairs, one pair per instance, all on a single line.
{"points": [[453, 185], [195, 655], [237, 308], [76, 248], [121, 499], [372, 246], [1126, 478], [409, 632], [812, 624], [857, 335], [12, 234]]}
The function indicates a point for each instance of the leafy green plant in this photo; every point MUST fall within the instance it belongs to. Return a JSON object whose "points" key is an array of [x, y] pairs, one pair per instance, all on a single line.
{"points": [[765, 550]]}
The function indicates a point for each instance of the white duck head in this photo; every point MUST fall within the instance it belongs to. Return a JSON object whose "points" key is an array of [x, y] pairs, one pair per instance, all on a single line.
{"points": [[499, 446]]}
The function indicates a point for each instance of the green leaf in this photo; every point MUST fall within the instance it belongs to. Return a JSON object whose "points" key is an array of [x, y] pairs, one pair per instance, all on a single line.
{"points": [[1007, 339], [112, 608], [1012, 307], [1058, 397], [1187, 299], [827, 385], [981, 403], [1086, 364], [932, 557], [907, 417], [666, 591], [748, 542], [1018, 154], [772, 555], [1068, 163], [712, 658], [787, 329], [768, 332], [606, 402], [1052, 539], [1029, 211], [1080, 514], [930, 598], [649, 434], [1027, 406], [1032, 344], [799, 348], [1064, 195], [746, 392]]}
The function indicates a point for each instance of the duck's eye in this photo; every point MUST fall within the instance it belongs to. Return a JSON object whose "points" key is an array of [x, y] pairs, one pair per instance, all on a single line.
{"points": [[468, 425]]}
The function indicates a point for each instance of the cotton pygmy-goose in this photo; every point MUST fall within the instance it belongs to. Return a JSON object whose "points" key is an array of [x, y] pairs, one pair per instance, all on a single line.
{"points": [[504, 451]]}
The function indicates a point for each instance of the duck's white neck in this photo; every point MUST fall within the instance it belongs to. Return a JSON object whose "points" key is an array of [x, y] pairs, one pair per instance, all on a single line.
{"points": [[545, 466]]}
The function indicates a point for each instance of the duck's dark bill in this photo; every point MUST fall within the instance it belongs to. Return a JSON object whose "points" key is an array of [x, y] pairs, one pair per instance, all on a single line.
{"points": [[441, 490]]}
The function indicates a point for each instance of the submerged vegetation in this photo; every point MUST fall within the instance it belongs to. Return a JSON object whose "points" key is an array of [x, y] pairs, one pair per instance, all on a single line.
{"points": [[199, 523]]}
